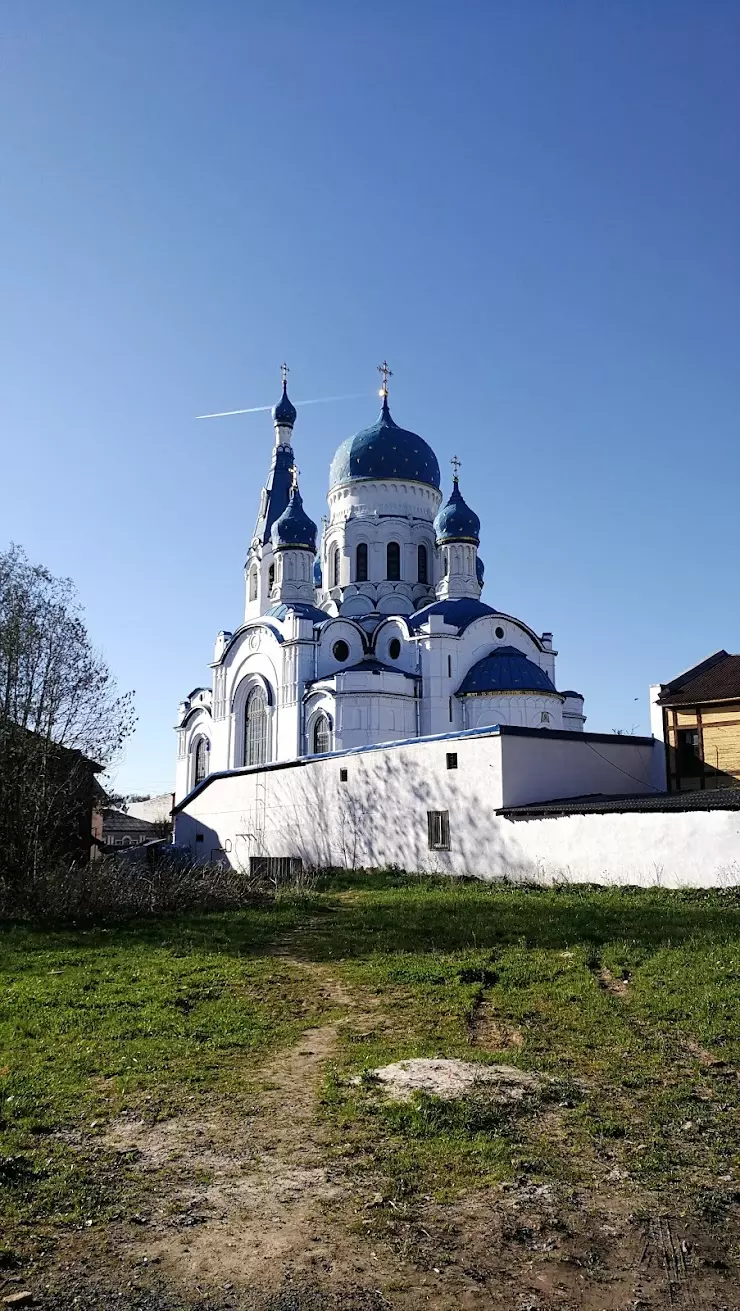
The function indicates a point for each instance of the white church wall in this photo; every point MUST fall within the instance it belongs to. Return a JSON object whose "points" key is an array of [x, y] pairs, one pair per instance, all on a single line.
{"points": [[378, 817]]}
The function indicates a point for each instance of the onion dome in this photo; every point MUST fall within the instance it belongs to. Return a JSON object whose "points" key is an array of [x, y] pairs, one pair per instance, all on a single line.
{"points": [[294, 529], [385, 451], [456, 522], [284, 414], [480, 570], [506, 670]]}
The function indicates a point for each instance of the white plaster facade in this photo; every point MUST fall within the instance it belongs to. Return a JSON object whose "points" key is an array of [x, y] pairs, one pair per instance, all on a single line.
{"points": [[370, 807], [380, 638]]}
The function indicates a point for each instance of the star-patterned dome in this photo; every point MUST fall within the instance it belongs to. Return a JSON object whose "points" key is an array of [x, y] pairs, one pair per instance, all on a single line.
{"points": [[456, 522], [385, 451], [294, 528], [284, 414]]}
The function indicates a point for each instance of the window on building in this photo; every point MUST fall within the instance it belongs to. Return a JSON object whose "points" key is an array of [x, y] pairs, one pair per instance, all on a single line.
{"points": [[393, 562], [321, 734], [450, 707], [201, 760], [438, 829], [271, 577], [340, 650], [449, 666], [253, 584], [689, 758], [545, 717], [452, 760], [361, 563], [394, 648], [335, 566], [255, 727], [342, 776], [423, 563]]}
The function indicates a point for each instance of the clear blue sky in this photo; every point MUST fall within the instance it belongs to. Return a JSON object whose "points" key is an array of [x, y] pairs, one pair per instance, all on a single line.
{"points": [[532, 209]]}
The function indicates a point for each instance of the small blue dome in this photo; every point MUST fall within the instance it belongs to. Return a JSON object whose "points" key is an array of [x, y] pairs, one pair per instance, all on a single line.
{"points": [[456, 522], [318, 577], [294, 528], [385, 451], [284, 413], [506, 670], [480, 570]]}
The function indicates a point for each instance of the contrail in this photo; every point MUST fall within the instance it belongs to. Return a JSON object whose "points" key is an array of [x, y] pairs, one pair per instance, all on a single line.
{"points": [[255, 409]]}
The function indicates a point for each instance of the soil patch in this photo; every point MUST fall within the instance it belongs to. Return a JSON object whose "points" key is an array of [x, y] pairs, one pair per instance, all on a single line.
{"points": [[450, 1079]]}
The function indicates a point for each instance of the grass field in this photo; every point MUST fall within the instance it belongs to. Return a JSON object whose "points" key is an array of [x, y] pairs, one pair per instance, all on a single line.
{"points": [[624, 1003]]}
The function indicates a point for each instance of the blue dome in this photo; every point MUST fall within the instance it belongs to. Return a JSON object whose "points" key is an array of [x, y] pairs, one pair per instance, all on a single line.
{"points": [[385, 451], [294, 528], [456, 522], [300, 608], [506, 670], [285, 413], [459, 611], [318, 577], [480, 570]]}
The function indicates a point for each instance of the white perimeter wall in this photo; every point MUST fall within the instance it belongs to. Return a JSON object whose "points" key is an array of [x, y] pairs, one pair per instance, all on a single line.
{"points": [[378, 817]]}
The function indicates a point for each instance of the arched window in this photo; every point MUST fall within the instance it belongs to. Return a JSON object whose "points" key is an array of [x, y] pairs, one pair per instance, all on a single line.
{"points": [[201, 760], [393, 562], [271, 577], [255, 727], [335, 566], [321, 734], [361, 563], [423, 570], [253, 584]]}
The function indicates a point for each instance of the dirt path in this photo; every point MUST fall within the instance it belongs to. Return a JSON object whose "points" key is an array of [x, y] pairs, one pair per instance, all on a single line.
{"points": [[255, 1215]]}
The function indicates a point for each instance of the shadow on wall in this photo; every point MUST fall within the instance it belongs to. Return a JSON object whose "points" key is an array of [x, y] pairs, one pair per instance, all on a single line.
{"points": [[378, 818]]}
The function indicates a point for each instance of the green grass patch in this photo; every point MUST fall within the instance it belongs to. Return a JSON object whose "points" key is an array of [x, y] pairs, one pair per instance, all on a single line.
{"points": [[159, 1015]]}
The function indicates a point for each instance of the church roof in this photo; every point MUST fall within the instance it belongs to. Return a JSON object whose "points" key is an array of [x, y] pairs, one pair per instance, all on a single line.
{"points": [[385, 451], [294, 528], [276, 492], [301, 608], [456, 522], [506, 670], [459, 612]]}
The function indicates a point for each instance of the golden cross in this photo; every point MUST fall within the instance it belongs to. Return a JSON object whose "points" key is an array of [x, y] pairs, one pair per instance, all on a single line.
{"points": [[387, 373], [456, 465], [294, 472], [285, 371]]}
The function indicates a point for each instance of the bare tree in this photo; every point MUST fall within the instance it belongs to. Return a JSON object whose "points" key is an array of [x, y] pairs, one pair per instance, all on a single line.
{"points": [[61, 716]]}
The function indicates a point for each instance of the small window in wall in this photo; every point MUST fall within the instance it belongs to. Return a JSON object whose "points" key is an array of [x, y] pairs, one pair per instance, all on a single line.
{"points": [[438, 829], [449, 666], [545, 717], [452, 760], [342, 776], [340, 650], [394, 648], [199, 837], [253, 584], [423, 569], [450, 708], [271, 577], [361, 563], [335, 567], [393, 562], [321, 735]]}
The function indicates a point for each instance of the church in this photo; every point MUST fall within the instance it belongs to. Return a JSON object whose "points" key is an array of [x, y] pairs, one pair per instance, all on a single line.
{"points": [[373, 631]]}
